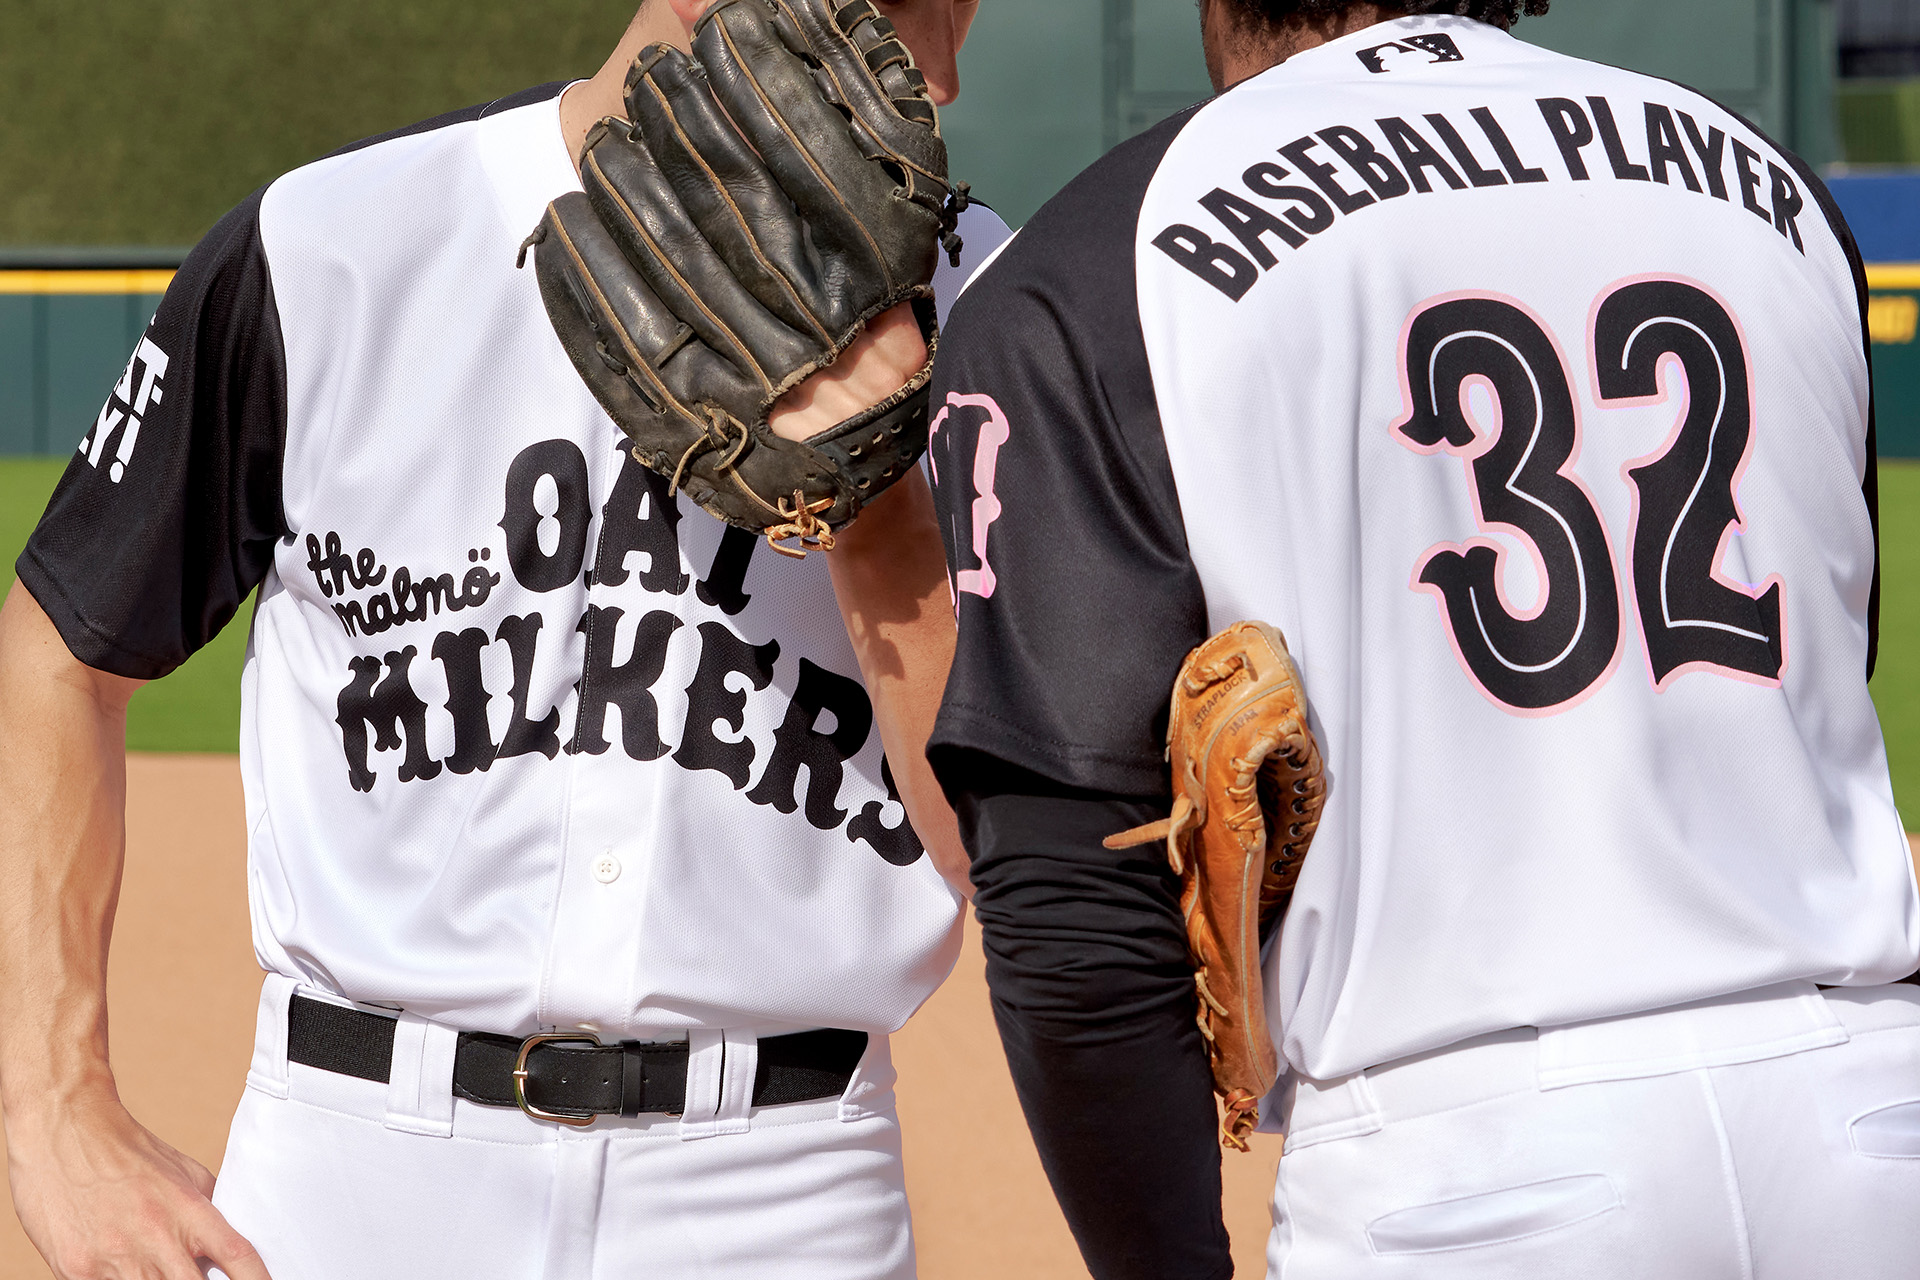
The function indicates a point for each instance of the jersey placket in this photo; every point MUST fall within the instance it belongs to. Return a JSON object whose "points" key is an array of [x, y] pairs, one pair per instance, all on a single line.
{"points": [[592, 950]]}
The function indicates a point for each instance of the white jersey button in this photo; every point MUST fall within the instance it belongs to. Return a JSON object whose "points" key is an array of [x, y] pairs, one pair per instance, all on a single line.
{"points": [[606, 868]]}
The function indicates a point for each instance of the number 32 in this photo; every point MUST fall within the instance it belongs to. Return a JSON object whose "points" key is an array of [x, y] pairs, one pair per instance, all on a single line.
{"points": [[1552, 657]]}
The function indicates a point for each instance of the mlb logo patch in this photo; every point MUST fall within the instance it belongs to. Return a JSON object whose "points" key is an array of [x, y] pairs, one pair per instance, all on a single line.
{"points": [[1437, 48]]}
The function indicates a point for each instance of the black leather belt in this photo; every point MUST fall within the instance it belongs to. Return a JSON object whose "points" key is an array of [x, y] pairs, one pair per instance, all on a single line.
{"points": [[570, 1078]]}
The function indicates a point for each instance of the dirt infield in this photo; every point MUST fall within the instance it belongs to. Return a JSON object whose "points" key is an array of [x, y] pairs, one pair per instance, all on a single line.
{"points": [[183, 986]]}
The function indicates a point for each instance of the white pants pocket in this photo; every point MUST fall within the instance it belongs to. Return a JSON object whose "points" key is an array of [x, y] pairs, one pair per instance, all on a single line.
{"points": [[1891, 1133], [1494, 1217]]}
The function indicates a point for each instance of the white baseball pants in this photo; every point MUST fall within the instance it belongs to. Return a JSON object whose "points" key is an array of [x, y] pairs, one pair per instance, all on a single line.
{"points": [[336, 1178], [1771, 1136]]}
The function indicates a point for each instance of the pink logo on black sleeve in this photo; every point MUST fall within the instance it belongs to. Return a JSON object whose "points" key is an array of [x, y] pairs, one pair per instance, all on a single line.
{"points": [[981, 468]]}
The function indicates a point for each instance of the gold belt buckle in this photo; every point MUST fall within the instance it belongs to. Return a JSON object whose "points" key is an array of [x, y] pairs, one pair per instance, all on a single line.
{"points": [[520, 1075]]}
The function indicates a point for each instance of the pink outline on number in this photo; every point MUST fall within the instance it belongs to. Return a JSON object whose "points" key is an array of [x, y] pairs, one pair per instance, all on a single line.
{"points": [[1667, 370], [1483, 440], [994, 433]]}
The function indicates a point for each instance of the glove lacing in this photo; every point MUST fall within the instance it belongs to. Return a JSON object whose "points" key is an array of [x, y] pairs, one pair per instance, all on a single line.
{"points": [[803, 522], [958, 202]]}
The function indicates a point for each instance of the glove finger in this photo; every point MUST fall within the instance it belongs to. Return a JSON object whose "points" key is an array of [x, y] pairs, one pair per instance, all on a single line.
{"points": [[638, 206], [734, 200], [643, 365], [848, 201], [867, 70]]}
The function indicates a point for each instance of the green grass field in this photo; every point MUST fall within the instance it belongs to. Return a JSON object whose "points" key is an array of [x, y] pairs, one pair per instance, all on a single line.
{"points": [[1896, 685], [197, 708]]}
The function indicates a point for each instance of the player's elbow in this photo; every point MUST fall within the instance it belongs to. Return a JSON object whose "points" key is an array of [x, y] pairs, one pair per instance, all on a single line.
{"points": [[1077, 937], [35, 660], [1078, 986]]}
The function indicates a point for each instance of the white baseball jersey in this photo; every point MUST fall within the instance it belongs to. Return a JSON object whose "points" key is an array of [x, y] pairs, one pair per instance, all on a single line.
{"points": [[527, 742], [1529, 398]]}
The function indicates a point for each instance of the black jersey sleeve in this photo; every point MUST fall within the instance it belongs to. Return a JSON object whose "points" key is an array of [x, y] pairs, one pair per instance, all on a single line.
{"points": [[167, 516], [1076, 595]]}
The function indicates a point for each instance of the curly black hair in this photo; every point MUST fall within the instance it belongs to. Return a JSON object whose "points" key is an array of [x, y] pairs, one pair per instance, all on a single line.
{"points": [[1501, 13]]}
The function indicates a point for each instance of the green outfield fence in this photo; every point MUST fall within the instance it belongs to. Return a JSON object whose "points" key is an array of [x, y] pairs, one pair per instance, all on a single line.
{"points": [[1893, 314], [68, 318], [1879, 121]]}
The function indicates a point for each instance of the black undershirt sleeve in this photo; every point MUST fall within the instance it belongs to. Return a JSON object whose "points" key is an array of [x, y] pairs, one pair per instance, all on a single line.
{"points": [[1093, 994], [1077, 601]]}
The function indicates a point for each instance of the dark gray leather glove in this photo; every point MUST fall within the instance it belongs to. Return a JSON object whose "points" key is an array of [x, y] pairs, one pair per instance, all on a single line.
{"points": [[764, 205]]}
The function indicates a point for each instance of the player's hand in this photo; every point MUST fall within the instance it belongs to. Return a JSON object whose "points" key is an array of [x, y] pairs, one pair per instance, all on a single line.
{"points": [[885, 356], [104, 1199]]}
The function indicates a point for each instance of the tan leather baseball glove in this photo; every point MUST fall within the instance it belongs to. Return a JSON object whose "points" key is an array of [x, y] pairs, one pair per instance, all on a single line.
{"points": [[1248, 787]]}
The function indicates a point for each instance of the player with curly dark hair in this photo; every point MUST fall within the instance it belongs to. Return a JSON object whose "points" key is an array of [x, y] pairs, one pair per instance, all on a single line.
{"points": [[1593, 968], [1256, 34], [1498, 13]]}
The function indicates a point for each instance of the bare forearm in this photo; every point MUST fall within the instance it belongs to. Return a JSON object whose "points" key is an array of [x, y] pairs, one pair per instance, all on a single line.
{"points": [[890, 578], [98, 1194], [62, 804]]}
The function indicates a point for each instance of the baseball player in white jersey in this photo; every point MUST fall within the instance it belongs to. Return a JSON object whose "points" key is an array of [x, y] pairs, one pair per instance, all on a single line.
{"points": [[584, 891], [1529, 399]]}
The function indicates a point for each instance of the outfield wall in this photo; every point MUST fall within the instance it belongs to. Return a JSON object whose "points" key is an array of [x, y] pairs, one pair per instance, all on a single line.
{"points": [[1893, 315], [216, 103], [65, 335], [67, 321]]}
